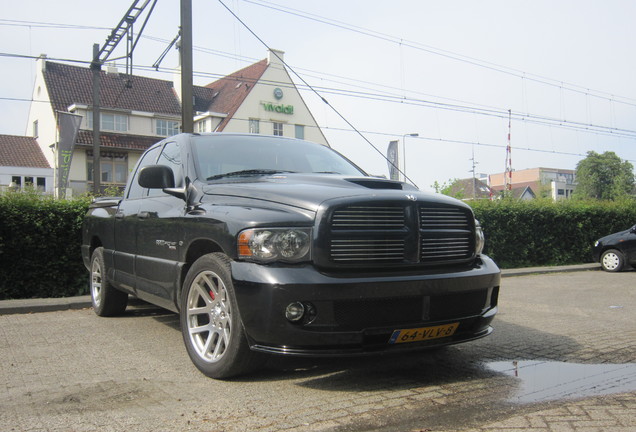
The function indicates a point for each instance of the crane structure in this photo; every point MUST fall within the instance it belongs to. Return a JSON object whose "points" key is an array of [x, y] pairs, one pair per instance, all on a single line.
{"points": [[124, 28]]}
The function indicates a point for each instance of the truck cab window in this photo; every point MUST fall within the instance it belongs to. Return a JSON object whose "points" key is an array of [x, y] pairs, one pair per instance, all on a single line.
{"points": [[171, 157], [134, 190]]}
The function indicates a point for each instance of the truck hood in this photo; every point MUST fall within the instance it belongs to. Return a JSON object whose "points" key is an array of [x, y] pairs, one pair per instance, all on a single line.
{"points": [[309, 191]]}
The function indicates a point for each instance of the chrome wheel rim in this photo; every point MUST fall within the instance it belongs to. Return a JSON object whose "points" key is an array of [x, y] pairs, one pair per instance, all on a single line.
{"points": [[208, 316], [96, 283], [611, 261]]}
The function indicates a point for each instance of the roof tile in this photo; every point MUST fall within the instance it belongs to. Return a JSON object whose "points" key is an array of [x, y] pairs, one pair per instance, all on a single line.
{"points": [[117, 140], [69, 85], [230, 92], [20, 151]]}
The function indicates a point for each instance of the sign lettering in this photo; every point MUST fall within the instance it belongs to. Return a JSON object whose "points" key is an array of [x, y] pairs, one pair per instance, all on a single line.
{"points": [[279, 108]]}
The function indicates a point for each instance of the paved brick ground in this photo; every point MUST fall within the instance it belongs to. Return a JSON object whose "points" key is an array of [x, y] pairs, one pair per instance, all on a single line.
{"points": [[72, 371]]}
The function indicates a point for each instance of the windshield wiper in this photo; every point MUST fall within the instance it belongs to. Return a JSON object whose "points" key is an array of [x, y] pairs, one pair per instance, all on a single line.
{"points": [[247, 173]]}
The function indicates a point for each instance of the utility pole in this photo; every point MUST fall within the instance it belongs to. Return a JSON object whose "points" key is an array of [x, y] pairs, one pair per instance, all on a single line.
{"points": [[96, 67], [187, 102]]}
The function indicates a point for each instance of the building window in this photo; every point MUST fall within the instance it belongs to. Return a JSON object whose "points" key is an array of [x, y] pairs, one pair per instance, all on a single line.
{"points": [[114, 167], [300, 131], [110, 122], [17, 180], [35, 129], [255, 126], [41, 184], [202, 126], [166, 127], [278, 129]]}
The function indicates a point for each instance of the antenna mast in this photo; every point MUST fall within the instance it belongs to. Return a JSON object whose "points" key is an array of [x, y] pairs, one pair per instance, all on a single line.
{"points": [[508, 172], [474, 165]]}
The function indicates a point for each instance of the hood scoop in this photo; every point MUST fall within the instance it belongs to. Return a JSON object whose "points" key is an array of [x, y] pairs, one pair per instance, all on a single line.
{"points": [[376, 183]]}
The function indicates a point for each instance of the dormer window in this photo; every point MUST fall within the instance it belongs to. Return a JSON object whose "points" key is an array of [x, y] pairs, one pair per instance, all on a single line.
{"points": [[110, 122], [165, 127]]}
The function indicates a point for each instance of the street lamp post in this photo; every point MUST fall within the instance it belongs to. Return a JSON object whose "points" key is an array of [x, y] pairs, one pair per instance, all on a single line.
{"points": [[404, 153]]}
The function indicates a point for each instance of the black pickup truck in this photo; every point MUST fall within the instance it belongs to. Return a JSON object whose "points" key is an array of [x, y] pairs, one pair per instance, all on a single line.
{"points": [[269, 245]]}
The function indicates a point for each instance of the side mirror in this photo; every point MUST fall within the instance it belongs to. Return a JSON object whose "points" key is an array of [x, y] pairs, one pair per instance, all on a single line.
{"points": [[156, 177]]}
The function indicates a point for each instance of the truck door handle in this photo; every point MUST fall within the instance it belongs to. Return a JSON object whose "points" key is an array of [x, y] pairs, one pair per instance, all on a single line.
{"points": [[143, 215]]}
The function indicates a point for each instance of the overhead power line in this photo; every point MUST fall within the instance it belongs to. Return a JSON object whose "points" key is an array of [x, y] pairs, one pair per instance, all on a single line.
{"points": [[355, 82], [18, 23], [560, 84], [528, 118]]}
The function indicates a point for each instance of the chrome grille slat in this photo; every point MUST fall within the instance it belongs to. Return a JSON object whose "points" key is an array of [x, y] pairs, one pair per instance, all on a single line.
{"points": [[368, 217], [367, 250]]}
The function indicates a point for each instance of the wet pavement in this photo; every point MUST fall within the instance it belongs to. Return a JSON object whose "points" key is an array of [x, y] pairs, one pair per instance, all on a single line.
{"points": [[562, 358]]}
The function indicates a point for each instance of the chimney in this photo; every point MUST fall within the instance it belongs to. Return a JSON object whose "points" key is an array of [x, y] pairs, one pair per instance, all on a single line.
{"points": [[176, 82], [275, 57], [42, 62], [112, 70]]}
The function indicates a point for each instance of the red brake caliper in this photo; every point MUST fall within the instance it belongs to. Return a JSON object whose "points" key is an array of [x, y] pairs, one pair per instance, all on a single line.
{"points": [[212, 296]]}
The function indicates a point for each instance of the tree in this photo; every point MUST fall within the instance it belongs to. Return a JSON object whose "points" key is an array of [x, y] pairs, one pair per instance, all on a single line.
{"points": [[604, 177], [451, 188]]}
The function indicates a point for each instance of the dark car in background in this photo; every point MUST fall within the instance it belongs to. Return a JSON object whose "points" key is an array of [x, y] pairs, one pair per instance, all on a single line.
{"points": [[616, 251]]}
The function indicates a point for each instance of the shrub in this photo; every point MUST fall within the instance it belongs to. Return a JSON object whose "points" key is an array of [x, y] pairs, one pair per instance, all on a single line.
{"points": [[40, 238], [40, 241], [540, 232]]}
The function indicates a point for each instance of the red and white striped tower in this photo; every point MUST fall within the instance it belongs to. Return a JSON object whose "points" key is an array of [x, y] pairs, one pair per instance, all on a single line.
{"points": [[508, 172]]}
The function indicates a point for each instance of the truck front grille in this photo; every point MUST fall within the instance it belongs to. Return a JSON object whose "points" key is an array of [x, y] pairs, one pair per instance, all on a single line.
{"points": [[400, 234]]}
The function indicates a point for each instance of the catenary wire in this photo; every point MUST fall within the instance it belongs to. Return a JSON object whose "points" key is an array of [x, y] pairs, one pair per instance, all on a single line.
{"points": [[449, 54]]}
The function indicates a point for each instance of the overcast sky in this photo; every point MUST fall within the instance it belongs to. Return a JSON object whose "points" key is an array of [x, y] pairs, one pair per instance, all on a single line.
{"points": [[446, 70]]}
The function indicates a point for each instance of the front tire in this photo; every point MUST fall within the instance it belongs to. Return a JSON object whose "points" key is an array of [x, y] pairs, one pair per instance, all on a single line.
{"points": [[612, 260], [210, 321], [107, 301]]}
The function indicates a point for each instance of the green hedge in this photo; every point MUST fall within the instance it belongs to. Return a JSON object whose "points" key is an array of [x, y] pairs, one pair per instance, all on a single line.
{"points": [[539, 233], [40, 238], [40, 246]]}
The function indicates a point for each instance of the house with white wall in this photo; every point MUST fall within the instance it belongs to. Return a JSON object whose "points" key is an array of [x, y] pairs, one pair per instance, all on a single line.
{"points": [[137, 111], [23, 165]]}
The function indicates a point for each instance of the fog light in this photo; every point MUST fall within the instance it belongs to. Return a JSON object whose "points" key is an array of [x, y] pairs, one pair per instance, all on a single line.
{"points": [[295, 311]]}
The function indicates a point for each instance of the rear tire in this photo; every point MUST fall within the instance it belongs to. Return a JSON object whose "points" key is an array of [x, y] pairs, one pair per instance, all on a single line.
{"points": [[612, 260], [106, 299], [210, 321]]}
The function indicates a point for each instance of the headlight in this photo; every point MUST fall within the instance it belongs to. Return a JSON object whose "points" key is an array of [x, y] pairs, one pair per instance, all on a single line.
{"points": [[479, 238], [275, 244], [596, 243]]}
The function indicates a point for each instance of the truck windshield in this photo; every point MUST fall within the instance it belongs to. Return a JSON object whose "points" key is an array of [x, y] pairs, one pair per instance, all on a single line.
{"points": [[221, 156]]}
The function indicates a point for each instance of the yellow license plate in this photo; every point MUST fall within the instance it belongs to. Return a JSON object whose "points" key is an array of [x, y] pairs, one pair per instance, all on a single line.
{"points": [[422, 334]]}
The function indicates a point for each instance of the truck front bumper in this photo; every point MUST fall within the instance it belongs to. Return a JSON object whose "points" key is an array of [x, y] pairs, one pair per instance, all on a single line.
{"points": [[354, 314]]}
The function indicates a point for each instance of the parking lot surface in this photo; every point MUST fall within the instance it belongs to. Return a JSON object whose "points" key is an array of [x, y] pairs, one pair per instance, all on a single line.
{"points": [[562, 358]]}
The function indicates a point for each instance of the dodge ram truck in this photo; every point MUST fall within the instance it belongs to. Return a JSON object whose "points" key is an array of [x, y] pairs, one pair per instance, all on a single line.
{"points": [[269, 245]]}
